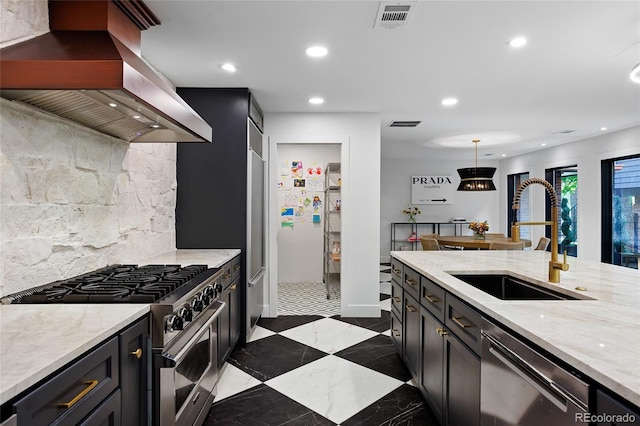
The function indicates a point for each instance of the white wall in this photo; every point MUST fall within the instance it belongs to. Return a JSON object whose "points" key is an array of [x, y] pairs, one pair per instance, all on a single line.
{"points": [[396, 196], [587, 154], [359, 137], [300, 249]]}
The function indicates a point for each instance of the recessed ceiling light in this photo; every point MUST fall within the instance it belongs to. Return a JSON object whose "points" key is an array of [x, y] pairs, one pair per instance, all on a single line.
{"points": [[603, 128], [316, 101], [317, 51], [136, 116], [155, 125], [635, 74], [229, 67], [113, 104], [543, 144], [518, 42], [504, 155], [449, 101]]}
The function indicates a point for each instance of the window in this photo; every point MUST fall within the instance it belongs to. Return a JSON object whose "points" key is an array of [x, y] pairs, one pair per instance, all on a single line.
{"points": [[565, 182], [524, 213], [620, 208]]}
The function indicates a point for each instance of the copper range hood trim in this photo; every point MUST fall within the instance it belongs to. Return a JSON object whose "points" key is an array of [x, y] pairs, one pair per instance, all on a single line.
{"points": [[92, 78]]}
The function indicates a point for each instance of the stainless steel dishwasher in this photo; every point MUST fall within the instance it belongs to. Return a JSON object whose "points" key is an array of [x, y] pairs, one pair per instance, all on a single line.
{"points": [[519, 386]]}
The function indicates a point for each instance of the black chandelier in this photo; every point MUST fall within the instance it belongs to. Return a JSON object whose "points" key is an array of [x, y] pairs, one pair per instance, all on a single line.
{"points": [[476, 178]]}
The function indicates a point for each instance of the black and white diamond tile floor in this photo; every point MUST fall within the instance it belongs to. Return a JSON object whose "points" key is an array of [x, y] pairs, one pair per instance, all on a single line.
{"points": [[318, 370]]}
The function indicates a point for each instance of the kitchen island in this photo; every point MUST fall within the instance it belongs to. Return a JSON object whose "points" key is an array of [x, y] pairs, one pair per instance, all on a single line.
{"points": [[598, 335], [36, 340]]}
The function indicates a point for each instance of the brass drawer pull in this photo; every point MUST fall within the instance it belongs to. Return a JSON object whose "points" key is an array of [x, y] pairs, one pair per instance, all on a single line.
{"points": [[396, 332], [460, 323], [441, 331], [410, 308], [396, 271], [227, 275], [236, 267], [233, 287], [137, 353], [412, 283], [431, 299], [91, 384], [396, 299]]}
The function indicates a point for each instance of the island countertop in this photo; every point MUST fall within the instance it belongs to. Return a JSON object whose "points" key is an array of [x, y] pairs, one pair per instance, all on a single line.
{"points": [[599, 335], [38, 339]]}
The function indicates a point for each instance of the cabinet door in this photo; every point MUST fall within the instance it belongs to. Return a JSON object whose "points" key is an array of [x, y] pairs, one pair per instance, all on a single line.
{"points": [[224, 330], [396, 333], [411, 323], [107, 414], [615, 412], [432, 371], [135, 353], [234, 313], [462, 384]]}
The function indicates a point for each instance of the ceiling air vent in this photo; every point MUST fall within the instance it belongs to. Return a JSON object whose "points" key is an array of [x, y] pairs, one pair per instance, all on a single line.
{"points": [[404, 123], [392, 15], [563, 132]]}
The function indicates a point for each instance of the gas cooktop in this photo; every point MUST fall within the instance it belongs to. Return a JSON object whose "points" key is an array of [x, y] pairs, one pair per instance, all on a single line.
{"points": [[115, 284]]}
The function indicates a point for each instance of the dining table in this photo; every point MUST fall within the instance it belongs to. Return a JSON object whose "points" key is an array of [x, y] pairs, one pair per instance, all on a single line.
{"points": [[471, 242]]}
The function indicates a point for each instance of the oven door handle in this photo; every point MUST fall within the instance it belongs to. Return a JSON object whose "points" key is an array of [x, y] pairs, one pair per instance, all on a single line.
{"points": [[171, 360]]}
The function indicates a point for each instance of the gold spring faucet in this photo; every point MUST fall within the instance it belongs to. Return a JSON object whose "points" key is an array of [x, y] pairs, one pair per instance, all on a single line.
{"points": [[554, 266]]}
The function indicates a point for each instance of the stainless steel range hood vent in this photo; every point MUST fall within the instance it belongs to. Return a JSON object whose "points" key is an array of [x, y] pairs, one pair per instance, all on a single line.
{"points": [[88, 69]]}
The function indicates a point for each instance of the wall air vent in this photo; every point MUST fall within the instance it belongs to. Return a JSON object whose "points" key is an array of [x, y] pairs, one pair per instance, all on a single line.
{"points": [[393, 15], [404, 123], [563, 132]]}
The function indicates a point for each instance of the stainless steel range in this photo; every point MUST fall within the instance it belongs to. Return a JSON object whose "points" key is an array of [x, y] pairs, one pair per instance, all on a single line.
{"points": [[184, 312]]}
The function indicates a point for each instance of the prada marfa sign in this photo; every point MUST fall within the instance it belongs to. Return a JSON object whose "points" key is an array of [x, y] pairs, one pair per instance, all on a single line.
{"points": [[431, 189]]}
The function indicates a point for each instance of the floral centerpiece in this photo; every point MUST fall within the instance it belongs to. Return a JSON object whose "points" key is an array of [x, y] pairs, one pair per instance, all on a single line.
{"points": [[479, 229], [411, 212]]}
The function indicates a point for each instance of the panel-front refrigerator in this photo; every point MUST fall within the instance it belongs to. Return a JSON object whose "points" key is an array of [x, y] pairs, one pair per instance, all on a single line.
{"points": [[255, 228]]}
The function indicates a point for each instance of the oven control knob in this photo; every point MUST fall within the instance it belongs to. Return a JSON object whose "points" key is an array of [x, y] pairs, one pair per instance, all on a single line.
{"points": [[186, 314], [208, 291], [174, 322], [197, 305], [205, 299], [218, 288]]}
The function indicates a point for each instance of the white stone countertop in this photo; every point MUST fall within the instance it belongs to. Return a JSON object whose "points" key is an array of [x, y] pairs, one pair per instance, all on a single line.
{"points": [[36, 340], [214, 258], [599, 337]]}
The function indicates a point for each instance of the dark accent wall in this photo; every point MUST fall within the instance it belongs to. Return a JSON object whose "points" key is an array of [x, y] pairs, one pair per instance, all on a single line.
{"points": [[211, 205], [212, 178]]}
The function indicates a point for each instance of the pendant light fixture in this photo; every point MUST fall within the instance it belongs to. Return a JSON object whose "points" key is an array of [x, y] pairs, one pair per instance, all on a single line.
{"points": [[476, 178]]}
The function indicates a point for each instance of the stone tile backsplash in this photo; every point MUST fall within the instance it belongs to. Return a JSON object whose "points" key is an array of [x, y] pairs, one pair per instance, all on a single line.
{"points": [[73, 200]]}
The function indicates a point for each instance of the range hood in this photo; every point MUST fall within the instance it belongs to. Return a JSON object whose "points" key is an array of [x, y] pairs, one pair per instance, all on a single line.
{"points": [[88, 69]]}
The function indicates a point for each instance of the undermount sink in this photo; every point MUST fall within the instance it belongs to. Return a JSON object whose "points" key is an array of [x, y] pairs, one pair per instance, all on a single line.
{"points": [[506, 287]]}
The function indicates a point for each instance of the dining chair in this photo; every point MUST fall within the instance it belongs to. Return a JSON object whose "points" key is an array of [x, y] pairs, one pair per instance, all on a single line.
{"points": [[543, 243], [429, 243], [497, 245], [495, 234]]}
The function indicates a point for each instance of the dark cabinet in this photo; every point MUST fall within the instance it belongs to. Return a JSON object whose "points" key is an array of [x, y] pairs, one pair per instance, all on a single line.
{"points": [[462, 383], [432, 371], [135, 387], [229, 322], [411, 325], [613, 412], [396, 332], [440, 342], [75, 392], [109, 385]]}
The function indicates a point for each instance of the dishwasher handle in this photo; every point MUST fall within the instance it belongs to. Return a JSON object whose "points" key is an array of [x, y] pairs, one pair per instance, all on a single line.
{"points": [[543, 384]]}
